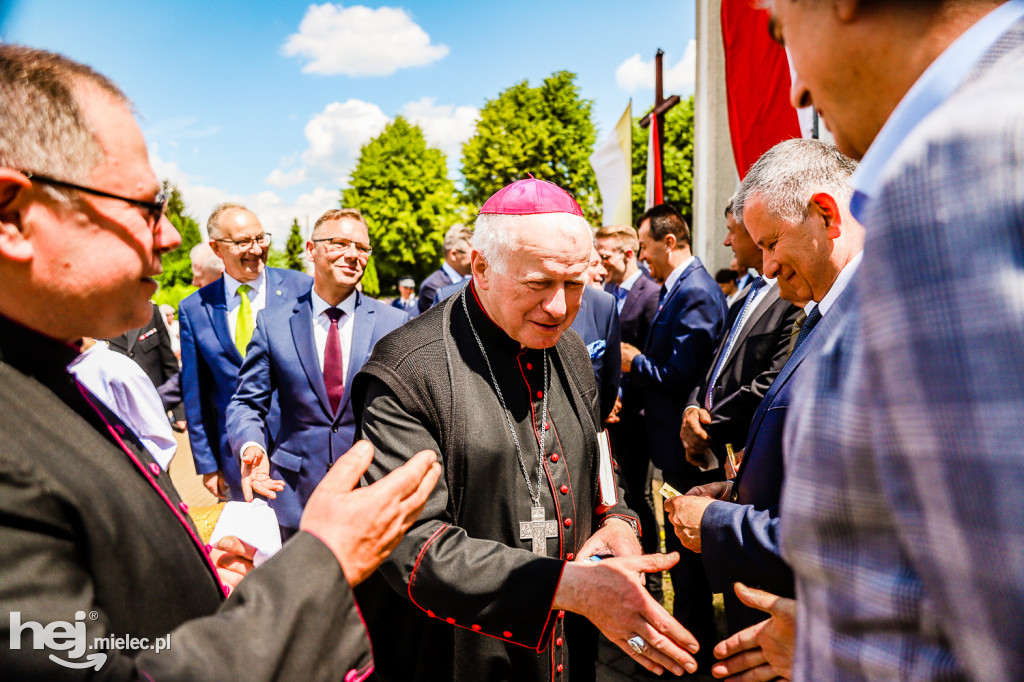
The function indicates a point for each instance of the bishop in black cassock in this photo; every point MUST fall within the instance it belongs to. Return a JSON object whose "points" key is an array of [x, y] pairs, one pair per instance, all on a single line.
{"points": [[469, 593]]}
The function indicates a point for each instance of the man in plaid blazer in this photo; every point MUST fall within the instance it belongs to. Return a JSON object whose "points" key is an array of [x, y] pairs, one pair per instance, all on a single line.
{"points": [[903, 511]]}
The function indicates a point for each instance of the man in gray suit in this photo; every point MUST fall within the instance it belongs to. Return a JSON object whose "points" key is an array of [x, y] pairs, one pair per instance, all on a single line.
{"points": [[89, 523], [903, 517]]}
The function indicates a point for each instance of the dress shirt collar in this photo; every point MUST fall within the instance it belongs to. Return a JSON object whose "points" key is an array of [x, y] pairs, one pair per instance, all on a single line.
{"points": [[935, 86], [347, 306], [671, 280], [627, 284], [842, 281], [231, 285], [456, 277]]}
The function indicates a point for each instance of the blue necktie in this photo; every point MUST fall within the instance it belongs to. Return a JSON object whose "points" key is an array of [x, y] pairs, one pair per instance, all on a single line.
{"points": [[661, 295], [620, 297], [745, 312], [813, 318]]}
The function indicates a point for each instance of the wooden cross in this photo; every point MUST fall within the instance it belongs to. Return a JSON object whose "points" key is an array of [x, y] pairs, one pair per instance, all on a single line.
{"points": [[661, 107], [538, 530]]}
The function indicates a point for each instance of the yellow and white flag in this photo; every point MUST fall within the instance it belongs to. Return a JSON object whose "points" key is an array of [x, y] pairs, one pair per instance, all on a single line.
{"points": [[612, 162]]}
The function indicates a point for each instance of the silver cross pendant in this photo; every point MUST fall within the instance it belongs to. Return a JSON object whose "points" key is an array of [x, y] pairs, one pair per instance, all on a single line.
{"points": [[538, 530]]}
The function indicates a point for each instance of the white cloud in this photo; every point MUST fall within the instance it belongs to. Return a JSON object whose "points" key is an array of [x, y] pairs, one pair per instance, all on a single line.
{"points": [[281, 178], [274, 213], [360, 41], [637, 74], [335, 136], [444, 126]]}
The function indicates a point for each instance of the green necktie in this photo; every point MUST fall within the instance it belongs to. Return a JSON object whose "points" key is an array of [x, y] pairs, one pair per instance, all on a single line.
{"points": [[244, 325]]}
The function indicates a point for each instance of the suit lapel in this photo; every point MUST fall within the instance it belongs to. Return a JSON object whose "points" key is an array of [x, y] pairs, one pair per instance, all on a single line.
{"points": [[276, 291], [217, 308], [362, 333], [770, 298], [675, 288], [301, 323]]}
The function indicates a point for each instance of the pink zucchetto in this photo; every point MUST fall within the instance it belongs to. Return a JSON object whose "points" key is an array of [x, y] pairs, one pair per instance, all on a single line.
{"points": [[531, 196]]}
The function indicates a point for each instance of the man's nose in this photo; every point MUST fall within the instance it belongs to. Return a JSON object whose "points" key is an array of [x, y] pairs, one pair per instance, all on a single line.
{"points": [[771, 266], [799, 95], [166, 237], [555, 305]]}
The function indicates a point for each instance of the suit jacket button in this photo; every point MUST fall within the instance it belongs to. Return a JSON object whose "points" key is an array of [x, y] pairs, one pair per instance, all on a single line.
{"points": [[334, 429]]}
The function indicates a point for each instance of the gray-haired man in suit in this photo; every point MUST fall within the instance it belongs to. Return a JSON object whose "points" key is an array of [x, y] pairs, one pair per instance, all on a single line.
{"points": [[903, 517]]}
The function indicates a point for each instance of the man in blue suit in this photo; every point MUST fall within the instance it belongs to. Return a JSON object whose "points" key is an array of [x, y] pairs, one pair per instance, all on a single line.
{"points": [[216, 325], [734, 525], [307, 354], [454, 268], [675, 358]]}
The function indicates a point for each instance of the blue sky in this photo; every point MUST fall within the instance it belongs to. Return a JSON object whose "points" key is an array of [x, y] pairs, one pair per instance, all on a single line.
{"points": [[268, 102]]}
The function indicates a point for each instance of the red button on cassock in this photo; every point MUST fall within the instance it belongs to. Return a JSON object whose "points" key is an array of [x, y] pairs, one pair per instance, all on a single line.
{"points": [[558, 642], [559, 668], [561, 614], [507, 634], [476, 627], [570, 556], [183, 507], [154, 468], [554, 457], [568, 522], [431, 614], [564, 489], [540, 394], [529, 365], [450, 621]]}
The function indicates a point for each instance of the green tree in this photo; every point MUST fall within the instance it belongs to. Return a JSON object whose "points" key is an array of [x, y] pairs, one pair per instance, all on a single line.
{"points": [[295, 249], [677, 161], [546, 131], [402, 188], [176, 279]]}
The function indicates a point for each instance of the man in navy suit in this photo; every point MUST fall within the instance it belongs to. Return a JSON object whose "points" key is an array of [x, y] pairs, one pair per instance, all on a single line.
{"points": [[734, 525], [675, 358], [597, 323], [307, 354], [454, 268], [216, 325], [636, 297], [747, 360]]}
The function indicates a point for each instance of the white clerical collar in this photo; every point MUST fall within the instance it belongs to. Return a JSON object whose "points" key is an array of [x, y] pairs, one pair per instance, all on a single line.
{"points": [[845, 275], [456, 277], [347, 306], [671, 280], [627, 284], [231, 284]]}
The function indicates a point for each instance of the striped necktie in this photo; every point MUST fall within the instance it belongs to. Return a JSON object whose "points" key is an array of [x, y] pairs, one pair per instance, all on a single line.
{"points": [[813, 318], [745, 312]]}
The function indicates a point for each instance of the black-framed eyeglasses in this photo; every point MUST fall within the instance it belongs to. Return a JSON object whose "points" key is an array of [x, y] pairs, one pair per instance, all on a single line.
{"points": [[154, 209], [246, 244], [342, 244]]}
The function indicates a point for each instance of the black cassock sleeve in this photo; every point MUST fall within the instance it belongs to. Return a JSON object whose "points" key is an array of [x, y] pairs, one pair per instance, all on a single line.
{"points": [[478, 584]]}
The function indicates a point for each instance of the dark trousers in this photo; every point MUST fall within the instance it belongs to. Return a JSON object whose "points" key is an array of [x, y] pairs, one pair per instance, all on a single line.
{"points": [[629, 448], [692, 605]]}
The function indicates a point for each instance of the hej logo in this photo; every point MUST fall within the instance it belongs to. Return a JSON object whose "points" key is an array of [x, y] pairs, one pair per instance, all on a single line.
{"points": [[59, 636]]}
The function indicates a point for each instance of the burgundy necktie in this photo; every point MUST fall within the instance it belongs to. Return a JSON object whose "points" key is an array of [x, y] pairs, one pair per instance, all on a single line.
{"points": [[334, 369]]}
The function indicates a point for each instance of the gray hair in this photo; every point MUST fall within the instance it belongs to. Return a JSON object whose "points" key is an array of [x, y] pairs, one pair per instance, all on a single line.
{"points": [[213, 228], [203, 257], [788, 174], [44, 128], [495, 235], [455, 235]]}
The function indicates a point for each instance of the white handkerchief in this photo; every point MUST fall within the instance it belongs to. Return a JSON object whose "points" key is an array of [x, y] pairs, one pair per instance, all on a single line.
{"points": [[254, 523]]}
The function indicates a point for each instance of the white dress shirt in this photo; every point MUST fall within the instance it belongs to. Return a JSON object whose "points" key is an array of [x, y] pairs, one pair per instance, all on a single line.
{"points": [[322, 324], [257, 298], [456, 277], [127, 391]]}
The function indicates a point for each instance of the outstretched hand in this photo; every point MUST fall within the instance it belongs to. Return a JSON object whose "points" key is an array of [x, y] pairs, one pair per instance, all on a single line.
{"points": [[256, 475], [763, 651], [363, 525], [585, 588]]}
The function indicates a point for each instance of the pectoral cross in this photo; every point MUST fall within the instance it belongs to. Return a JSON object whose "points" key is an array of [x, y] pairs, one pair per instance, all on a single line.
{"points": [[538, 530]]}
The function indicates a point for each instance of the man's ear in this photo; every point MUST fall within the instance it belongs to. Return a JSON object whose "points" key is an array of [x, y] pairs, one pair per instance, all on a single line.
{"points": [[670, 241], [824, 205], [14, 199], [217, 246], [480, 269], [309, 250]]}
